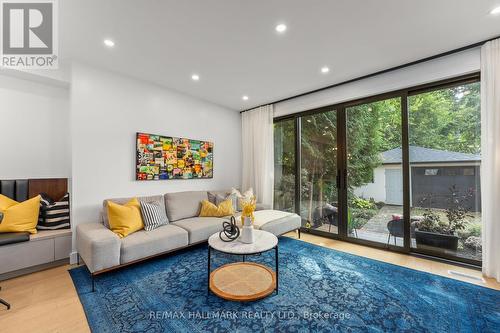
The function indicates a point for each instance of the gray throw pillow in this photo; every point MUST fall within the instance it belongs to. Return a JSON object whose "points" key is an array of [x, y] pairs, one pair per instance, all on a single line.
{"points": [[234, 200], [212, 197], [153, 215]]}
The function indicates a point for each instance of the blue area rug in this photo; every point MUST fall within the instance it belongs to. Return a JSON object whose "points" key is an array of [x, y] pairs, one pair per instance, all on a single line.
{"points": [[321, 290]]}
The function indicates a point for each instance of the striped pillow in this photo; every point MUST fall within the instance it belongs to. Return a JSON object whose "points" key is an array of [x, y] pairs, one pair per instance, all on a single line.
{"points": [[53, 214], [153, 215]]}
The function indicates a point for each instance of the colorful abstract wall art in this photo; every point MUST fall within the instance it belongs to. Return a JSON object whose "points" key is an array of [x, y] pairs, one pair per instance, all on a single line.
{"points": [[166, 157]]}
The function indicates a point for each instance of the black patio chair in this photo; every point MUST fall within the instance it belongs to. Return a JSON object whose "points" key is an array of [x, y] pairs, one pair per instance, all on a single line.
{"points": [[326, 213], [396, 229]]}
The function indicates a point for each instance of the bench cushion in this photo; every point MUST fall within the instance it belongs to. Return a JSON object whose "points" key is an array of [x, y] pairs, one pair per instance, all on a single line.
{"points": [[200, 228], [14, 237], [142, 244]]}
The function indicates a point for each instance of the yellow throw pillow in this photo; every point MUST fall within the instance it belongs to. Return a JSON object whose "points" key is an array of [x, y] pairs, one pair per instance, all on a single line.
{"points": [[19, 216], [208, 209], [125, 219]]}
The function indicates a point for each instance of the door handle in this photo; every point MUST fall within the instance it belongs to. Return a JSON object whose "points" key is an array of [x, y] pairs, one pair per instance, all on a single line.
{"points": [[345, 179]]}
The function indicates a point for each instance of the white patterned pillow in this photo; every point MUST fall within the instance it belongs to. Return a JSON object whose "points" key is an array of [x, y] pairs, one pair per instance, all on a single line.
{"points": [[153, 215], [246, 196]]}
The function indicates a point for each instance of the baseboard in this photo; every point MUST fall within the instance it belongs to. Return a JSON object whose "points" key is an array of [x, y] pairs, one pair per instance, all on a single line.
{"points": [[33, 269], [73, 258]]}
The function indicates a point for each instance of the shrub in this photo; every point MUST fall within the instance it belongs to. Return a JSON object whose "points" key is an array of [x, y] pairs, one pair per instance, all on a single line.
{"points": [[430, 223], [362, 203], [457, 213], [472, 229], [365, 214], [474, 242]]}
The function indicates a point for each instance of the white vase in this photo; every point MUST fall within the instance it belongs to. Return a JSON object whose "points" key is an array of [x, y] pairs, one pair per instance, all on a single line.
{"points": [[247, 234]]}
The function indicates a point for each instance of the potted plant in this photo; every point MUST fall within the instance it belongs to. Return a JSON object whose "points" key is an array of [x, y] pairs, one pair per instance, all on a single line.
{"points": [[432, 232]]}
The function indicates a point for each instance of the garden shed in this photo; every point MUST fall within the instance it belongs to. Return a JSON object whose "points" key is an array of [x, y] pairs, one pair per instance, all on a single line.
{"points": [[433, 174]]}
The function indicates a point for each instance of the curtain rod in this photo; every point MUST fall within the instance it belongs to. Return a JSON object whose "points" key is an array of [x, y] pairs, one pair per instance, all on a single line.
{"points": [[439, 55]]}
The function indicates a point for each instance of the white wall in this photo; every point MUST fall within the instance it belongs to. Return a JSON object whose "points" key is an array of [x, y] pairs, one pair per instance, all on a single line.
{"points": [[35, 137], [375, 190], [431, 71], [108, 109]]}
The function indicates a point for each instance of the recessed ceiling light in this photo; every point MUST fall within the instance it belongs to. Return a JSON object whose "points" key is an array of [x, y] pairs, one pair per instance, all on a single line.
{"points": [[109, 43], [245, 98], [325, 69], [195, 77], [495, 11], [281, 28]]}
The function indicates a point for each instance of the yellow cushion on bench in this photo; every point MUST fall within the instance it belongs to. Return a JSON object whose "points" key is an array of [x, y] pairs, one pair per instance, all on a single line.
{"points": [[19, 216]]}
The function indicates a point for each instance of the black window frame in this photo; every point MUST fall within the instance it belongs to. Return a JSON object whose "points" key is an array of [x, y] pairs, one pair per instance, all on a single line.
{"points": [[404, 94]]}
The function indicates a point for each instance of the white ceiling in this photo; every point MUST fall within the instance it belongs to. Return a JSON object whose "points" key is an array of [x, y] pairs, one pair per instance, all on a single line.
{"points": [[234, 48]]}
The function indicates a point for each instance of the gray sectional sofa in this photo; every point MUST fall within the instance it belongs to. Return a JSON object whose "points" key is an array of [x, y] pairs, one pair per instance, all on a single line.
{"points": [[102, 250]]}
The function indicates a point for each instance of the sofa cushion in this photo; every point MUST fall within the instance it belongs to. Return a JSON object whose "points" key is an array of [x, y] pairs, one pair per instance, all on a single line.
{"points": [[213, 194], [208, 209], [153, 215], [125, 219], [142, 244], [121, 201], [246, 196], [221, 198], [283, 225], [183, 205], [200, 228], [274, 221]]}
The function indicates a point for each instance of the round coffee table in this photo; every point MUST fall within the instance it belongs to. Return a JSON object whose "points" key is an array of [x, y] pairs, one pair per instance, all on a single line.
{"points": [[243, 281]]}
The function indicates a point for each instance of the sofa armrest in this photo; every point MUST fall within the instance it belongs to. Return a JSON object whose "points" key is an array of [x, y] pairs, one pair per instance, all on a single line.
{"points": [[98, 246], [262, 206]]}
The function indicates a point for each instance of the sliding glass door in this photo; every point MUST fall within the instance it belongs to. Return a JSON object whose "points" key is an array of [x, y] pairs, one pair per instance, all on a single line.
{"points": [[445, 159], [319, 206], [398, 171], [374, 172], [284, 165]]}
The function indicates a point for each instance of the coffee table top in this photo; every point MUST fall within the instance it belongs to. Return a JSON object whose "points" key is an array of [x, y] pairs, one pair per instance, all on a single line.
{"points": [[264, 241]]}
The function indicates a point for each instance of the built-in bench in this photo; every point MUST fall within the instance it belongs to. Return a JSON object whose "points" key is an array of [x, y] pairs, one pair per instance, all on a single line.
{"points": [[43, 250], [23, 253]]}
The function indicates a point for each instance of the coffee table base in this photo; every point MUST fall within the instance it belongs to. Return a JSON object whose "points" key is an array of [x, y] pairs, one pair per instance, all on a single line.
{"points": [[243, 281]]}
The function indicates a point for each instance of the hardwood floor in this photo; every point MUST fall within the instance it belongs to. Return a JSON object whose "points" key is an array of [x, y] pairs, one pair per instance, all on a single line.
{"points": [[47, 301]]}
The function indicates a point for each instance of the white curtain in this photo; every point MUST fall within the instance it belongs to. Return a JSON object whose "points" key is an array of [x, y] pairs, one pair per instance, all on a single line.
{"points": [[490, 151], [258, 155]]}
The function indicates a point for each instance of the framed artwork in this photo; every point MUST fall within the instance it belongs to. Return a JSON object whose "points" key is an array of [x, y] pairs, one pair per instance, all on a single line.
{"points": [[166, 157]]}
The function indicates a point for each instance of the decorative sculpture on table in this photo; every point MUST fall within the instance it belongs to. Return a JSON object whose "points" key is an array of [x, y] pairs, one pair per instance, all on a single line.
{"points": [[247, 219], [230, 230]]}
